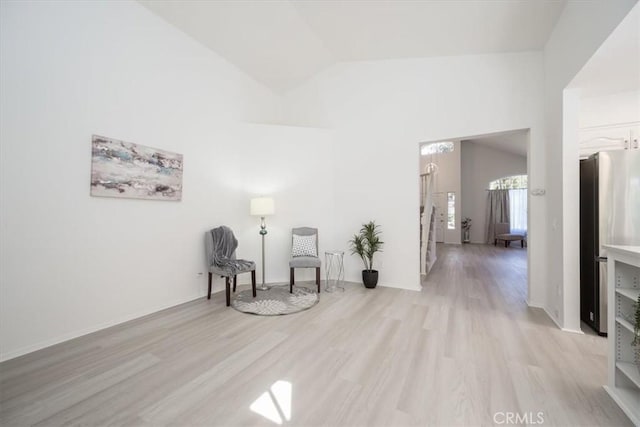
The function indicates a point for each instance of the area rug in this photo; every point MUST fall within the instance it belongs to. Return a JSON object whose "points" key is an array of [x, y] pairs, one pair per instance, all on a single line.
{"points": [[276, 301]]}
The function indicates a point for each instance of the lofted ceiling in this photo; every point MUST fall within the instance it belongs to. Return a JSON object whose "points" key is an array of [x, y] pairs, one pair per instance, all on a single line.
{"points": [[615, 66], [282, 43]]}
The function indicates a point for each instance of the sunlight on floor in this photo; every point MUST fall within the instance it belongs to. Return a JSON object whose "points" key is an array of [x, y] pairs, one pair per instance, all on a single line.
{"points": [[275, 404]]}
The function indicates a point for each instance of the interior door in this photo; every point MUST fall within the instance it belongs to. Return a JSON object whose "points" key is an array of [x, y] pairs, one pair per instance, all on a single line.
{"points": [[441, 215]]}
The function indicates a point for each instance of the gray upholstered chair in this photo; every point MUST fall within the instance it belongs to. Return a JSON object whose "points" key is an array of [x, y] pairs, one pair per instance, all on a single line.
{"points": [[304, 261], [502, 231], [220, 248]]}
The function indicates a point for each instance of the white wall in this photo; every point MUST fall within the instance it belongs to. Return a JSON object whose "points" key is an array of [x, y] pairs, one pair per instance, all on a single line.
{"points": [[581, 29], [480, 166], [381, 110], [70, 263], [616, 108], [289, 163]]}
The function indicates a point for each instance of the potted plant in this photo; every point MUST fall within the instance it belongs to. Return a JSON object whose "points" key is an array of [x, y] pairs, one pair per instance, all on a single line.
{"points": [[365, 244], [466, 227], [636, 333]]}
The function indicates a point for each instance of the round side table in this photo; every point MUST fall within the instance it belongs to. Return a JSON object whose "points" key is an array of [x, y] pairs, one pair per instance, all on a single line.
{"points": [[334, 267]]}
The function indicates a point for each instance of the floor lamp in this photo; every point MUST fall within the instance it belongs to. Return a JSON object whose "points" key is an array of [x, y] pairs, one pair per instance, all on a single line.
{"points": [[262, 206]]}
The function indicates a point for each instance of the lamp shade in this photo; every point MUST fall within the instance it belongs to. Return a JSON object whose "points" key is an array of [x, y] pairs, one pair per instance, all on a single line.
{"points": [[262, 206]]}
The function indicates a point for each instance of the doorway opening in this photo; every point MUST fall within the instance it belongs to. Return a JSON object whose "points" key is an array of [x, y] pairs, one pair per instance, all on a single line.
{"points": [[458, 213], [601, 154]]}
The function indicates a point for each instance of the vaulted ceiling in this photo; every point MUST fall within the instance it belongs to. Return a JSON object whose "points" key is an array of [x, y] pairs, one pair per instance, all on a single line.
{"points": [[615, 66], [282, 43]]}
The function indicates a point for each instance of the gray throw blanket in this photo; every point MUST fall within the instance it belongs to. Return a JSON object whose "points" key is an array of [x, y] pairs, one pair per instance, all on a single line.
{"points": [[224, 248]]}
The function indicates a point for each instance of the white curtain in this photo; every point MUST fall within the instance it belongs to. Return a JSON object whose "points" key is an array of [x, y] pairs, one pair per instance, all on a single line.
{"points": [[518, 210]]}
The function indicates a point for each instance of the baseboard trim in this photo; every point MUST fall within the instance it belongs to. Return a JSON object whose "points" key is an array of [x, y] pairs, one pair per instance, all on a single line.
{"points": [[573, 331], [540, 306], [552, 318], [358, 280], [386, 285], [86, 331], [562, 328], [534, 304]]}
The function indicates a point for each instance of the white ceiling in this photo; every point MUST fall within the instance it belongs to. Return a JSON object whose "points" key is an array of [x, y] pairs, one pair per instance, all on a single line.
{"points": [[615, 67], [512, 142], [282, 43]]}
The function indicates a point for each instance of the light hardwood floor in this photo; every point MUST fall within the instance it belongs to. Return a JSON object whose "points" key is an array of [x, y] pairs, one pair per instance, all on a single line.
{"points": [[458, 352]]}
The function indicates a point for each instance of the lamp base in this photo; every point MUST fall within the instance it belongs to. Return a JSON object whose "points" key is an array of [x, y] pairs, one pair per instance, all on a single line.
{"points": [[262, 287]]}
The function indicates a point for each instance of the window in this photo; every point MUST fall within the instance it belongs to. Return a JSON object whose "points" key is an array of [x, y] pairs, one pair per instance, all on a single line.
{"points": [[437, 148], [518, 210], [451, 211], [517, 186], [509, 183]]}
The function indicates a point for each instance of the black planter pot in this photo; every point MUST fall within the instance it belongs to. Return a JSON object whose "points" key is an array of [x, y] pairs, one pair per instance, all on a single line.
{"points": [[370, 278]]}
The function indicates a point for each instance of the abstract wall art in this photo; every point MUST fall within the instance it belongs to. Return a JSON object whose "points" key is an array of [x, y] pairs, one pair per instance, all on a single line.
{"points": [[124, 169]]}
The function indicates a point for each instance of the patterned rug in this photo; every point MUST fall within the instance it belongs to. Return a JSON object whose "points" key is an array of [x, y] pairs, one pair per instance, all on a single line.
{"points": [[276, 301]]}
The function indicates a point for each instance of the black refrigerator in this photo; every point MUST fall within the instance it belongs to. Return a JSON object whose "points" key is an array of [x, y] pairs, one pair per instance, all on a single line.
{"points": [[609, 214]]}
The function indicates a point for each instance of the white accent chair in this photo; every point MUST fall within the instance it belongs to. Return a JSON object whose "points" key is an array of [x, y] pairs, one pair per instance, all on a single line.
{"points": [[304, 261]]}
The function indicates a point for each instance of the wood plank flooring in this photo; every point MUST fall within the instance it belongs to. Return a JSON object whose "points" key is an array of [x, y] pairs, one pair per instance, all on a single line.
{"points": [[463, 349]]}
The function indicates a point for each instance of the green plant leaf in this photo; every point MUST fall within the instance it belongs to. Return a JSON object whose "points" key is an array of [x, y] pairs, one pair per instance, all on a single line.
{"points": [[356, 244], [366, 243]]}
